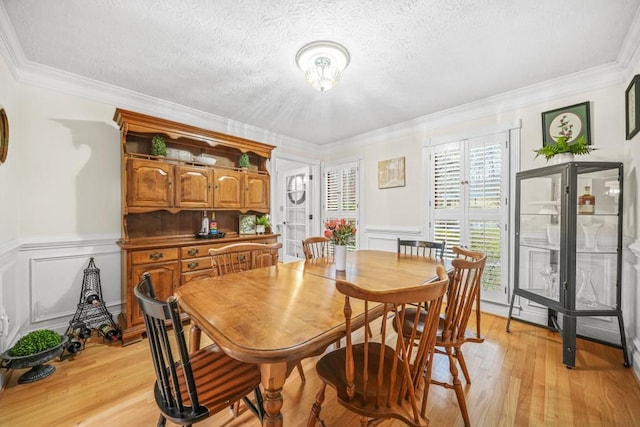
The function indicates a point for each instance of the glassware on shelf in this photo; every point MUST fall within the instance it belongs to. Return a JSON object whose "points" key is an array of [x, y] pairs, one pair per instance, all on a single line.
{"points": [[550, 278], [590, 234], [553, 233], [586, 294]]}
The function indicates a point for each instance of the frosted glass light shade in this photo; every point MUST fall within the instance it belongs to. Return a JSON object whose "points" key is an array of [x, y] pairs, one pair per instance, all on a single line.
{"points": [[323, 63]]}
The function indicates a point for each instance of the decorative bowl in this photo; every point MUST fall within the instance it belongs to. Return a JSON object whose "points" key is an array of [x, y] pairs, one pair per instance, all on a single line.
{"points": [[205, 160], [34, 361]]}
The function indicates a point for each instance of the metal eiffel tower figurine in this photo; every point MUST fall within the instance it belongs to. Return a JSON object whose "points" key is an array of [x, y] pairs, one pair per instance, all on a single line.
{"points": [[90, 314]]}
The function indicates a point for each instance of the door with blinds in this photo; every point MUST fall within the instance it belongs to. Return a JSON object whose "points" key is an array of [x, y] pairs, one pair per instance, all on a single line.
{"points": [[340, 190], [468, 204]]}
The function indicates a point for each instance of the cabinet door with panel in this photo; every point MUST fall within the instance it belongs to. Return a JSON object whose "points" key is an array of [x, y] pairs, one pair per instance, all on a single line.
{"points": [[149, 183], [256, 191], [228, 189], [194, 187], [165, 277]]}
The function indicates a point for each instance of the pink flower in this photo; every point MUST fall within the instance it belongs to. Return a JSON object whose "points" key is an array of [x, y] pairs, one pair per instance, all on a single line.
{"points": [[341, 231]]}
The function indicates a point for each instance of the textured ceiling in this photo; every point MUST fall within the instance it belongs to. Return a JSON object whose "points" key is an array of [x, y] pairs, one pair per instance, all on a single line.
{"points": [[235, 59]]}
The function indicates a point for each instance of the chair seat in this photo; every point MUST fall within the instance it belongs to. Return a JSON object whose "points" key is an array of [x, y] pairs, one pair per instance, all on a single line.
{"points": [[220, 379], [440, 341], [331, 370]]}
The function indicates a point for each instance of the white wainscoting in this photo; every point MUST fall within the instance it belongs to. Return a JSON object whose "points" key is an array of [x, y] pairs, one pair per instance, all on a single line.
{"points": [[41, 280], [384, 238], [50, 274], [8, 310]]}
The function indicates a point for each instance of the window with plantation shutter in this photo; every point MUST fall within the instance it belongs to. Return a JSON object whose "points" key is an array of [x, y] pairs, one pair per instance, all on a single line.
{"points": [[332, 192], [446, 170], [341, 195], [447, 231], [469, 183], [485, 176]]}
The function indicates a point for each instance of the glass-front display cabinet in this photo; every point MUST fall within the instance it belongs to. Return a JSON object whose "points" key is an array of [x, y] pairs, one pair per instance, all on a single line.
{"points": [[568, 245]]}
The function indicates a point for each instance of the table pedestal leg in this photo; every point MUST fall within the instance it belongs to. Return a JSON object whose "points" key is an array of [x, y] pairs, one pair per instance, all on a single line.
{"points": [[273, 376], [194, 338]]}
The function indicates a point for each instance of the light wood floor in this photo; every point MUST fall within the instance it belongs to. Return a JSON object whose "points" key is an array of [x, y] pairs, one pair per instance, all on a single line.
{"points": [[518, 380]]}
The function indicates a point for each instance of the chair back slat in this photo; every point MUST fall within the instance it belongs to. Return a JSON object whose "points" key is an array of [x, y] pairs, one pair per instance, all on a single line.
{"points": [[463, 292], [171, 373], [315, 247], [386, 378], [243, 256], [422, 248]]}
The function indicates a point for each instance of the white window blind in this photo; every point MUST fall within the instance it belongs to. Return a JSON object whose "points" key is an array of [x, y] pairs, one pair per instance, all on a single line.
{"points": [[485, 176], [341, 195], [468, 209], [447, 178]]}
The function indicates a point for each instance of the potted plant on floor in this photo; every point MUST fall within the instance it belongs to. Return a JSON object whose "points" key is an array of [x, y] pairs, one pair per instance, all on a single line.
{"points": [[33, 351]]}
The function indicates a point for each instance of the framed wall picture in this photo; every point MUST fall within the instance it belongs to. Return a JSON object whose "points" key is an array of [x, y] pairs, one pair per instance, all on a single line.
{"points": [[632, 107], [247, 224], [391, 173], [571, 122]]}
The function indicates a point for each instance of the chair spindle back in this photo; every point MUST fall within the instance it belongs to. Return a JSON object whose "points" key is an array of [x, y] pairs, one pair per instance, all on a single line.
{"points": [[421, 248], [385, 379]]}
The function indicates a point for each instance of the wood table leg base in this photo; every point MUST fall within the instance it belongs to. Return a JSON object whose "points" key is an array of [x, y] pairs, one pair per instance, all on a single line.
{"points": [[273, 376]]}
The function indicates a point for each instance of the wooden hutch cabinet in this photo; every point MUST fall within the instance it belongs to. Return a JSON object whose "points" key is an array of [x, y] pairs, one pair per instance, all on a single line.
{"points": [[164, 200]]}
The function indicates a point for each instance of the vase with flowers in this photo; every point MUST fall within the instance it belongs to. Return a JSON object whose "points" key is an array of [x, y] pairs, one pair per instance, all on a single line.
{"points": [[342, 233]]}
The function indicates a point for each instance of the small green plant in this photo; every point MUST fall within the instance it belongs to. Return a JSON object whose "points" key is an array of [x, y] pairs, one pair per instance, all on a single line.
{"points": [[579, 147], [158, 146], [263, 220], [243, 160], [35, 342]]}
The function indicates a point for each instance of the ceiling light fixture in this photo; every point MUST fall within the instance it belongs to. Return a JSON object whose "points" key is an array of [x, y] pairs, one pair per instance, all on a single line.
{"points": [[323, 63]]}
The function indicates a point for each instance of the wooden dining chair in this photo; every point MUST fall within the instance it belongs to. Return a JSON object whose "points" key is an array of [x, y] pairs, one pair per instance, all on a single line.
{"points": [[315, 247], [452, 327], [373, 379], [244, 256], [318, 247], [191, 387], [423, 248], [474, 256]]}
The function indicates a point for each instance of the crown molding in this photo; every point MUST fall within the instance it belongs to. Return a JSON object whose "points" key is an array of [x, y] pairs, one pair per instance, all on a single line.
{"points": [[38, 75], [629, 52], [576, 83], [50, 78], [9, 47], [31, 73]]}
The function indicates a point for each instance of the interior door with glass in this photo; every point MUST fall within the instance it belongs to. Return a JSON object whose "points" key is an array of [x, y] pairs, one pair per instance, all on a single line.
{"points": [[468, 204], [296, 224]]}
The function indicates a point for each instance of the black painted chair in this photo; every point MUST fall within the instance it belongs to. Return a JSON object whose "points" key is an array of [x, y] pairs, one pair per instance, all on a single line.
{"points": [[422, 248], [191, 387]]}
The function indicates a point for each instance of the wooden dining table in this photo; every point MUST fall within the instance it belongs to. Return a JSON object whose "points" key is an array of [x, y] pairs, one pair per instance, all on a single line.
{"points": [[276, 316]]}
